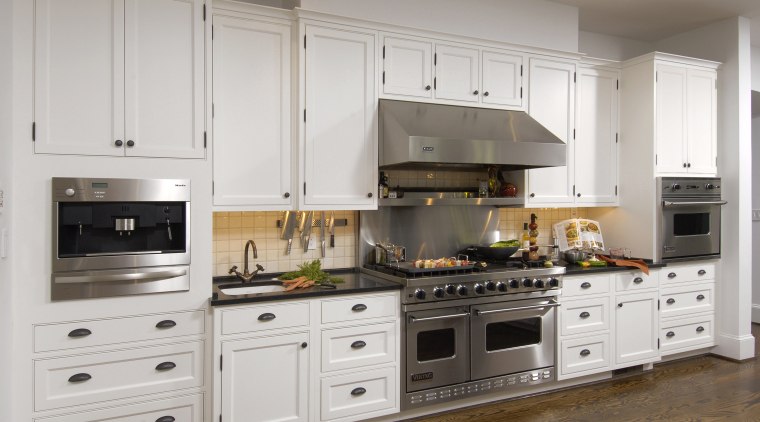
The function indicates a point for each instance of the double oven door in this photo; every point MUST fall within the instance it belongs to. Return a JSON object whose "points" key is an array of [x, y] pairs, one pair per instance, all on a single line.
{"points": [[457, 344]]}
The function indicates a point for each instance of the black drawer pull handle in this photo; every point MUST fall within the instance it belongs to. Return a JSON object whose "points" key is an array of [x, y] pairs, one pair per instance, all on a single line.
{"points": [[358, 344], [700, 329], [80, 332], [359, 307], [585, 285], [166, 419], [638, 280], [165, 366], [585, 314], [358, 391], [167, 323], [80, 377], [670, 334], [700, 297], [672, 275], [585, 352], [267, 316], [670, 301], [701, 272]]}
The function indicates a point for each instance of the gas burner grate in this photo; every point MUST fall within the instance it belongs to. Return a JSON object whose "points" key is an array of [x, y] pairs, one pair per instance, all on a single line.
{"points": [[434, 272]]}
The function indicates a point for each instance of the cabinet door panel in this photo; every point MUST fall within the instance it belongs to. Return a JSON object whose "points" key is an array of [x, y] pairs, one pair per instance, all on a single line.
{"points": [[79, 76], [408, 67], [340, 136], [636, 327], [164, 78], [670, 128], [502, 79], [266, 379], [252, 138], [552, 103], [456, 73], [595, 144], [702, 132]]}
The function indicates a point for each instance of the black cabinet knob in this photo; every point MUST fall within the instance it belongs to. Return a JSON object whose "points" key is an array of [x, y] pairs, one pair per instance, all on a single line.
{"points": [[701, 272], [620, 305], [81, 377], [359, 307], [485, 94], [427, 88], [688, 165], [267, 316], [80, 332], [532, 195], [475, 92], [684, 165], [586, 285], [700, 297], [304, 345], [165, 366], [118, 143], [358, 391], [670, 301], [671, 275], [585, 314], [358, 344], [130, 143], [700, 329], [670, 334], [167, 323], [638, 280], [585, 352], [369, 195], [166, 419], [286, 195]]}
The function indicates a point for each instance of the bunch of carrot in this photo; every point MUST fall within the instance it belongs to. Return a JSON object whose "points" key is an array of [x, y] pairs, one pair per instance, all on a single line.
{"points": [[297, 283]]}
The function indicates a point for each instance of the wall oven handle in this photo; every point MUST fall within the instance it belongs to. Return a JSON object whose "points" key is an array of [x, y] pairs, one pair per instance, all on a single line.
{"points": [[493, 311], [675, 204], [413, 319], [145, 276]]}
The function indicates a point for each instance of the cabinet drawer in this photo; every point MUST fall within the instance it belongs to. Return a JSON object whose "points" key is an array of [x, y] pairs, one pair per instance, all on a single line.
{"points": [[182, 409], [584, 354], [358, 308], [101, 332], [358, 393], [353, 347], [265, 317], [584, 316], [83, 379], [690, 272], [585, 285], [683, 334], [687, 300], [635, 280]]}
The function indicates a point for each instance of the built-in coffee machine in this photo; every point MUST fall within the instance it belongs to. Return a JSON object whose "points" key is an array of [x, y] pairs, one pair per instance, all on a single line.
{"points": [[114, 237]]}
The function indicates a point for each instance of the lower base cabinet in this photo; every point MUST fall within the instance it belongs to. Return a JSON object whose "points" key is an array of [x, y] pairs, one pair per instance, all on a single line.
{"points": [[359, 393], [635, 332], [180, 409]]}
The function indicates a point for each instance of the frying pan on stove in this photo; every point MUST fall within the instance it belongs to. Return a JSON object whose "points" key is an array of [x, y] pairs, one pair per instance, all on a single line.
{"points": [[483, 252]]}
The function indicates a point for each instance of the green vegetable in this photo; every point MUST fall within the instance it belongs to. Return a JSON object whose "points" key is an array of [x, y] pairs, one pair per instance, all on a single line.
{"points": [[313, 271], [506, 244]]}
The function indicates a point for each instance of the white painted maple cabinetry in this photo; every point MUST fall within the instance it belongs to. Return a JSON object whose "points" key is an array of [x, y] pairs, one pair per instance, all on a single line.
{"points": [[324, 359], [119, 77]]}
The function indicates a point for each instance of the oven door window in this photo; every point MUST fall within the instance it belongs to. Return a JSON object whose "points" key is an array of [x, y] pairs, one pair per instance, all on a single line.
{"points": [[503, 335], [436, 345], [691, 224]]}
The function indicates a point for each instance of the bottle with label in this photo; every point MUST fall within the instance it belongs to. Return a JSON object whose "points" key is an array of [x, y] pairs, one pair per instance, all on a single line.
{"points": [[382, 186], [525, 240]]}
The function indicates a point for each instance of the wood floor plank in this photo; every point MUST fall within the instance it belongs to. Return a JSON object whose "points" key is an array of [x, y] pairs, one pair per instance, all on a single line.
{"points": [[704, 388]]}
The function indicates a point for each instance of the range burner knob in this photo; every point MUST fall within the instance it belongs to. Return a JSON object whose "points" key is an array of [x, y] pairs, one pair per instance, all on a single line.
{"points": [[709, 186], [538, 283], [450, 289], [462, 290], [513, 283], [675, 186], [502, 286], [479, 289], [420, 294], [438, 292], [553, 282], [490, 285], [526, 282]]}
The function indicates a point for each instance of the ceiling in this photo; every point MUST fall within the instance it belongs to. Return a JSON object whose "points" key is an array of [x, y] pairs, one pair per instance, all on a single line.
{"points": [[652, 20]]}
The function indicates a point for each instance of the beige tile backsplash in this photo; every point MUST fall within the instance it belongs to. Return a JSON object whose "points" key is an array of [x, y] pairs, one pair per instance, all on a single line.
{"points": [[233, 229]]}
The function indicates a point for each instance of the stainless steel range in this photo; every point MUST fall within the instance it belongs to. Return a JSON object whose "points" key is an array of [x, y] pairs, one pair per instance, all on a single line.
{"points": [[475, 331]]}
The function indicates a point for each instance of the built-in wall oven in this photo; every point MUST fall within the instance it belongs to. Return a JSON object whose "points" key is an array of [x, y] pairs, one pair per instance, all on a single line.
{"points": [[689, 217], [114, 237]]}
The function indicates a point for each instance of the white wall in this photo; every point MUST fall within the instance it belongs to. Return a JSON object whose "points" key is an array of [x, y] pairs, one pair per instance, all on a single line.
{"points": [[609, 47], [728, 41], [538, 23], [6, 302], [755, 206], [756, 68]]}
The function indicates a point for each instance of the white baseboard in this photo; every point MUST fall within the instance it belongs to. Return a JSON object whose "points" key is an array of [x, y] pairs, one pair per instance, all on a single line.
{"points": [[735, 347], [756, 313]]}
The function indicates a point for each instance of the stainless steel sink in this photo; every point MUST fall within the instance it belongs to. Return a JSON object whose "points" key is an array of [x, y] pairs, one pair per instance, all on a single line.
{"points": [[256, 287]]}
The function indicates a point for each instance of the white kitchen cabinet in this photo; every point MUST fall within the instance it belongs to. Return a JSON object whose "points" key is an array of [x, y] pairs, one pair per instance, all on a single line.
{"points": [[552, 103], [180, 409], [636, 328], [252, 113], [686, 119], [266, 379], [338, 147], [457, 70], [502, 78], [141, 90], [408, 67]]}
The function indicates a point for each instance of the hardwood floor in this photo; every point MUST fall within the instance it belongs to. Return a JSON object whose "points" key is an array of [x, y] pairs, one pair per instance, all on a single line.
{"points": [[698, 389]]}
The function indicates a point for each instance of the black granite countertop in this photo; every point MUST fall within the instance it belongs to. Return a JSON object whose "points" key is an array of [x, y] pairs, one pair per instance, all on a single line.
{"points": [[353, 282], [574, 269]]}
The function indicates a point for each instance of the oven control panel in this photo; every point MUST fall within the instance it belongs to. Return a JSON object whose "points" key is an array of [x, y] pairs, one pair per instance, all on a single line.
{"points": [[512, 382], [689, 186], [490, 287]]}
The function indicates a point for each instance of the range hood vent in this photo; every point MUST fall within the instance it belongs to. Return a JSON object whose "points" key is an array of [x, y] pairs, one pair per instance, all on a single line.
{"points": [[420, 135]]}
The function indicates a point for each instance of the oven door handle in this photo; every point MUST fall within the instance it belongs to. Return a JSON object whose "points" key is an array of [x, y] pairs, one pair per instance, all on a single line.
{"points": [[412, 319], [675, 204], [137, 276], [521, 308]]}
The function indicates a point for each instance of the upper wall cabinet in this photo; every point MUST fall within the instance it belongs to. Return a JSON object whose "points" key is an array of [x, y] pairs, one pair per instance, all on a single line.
{"points": [[421, 69], [252, 113], [119, 77], [338, 142]]}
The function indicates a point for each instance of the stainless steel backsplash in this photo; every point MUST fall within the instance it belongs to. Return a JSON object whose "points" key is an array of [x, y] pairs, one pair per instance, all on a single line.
{"points": [[427, 232]]}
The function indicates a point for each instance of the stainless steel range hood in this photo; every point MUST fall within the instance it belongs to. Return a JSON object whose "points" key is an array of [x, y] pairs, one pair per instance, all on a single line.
{"points": [[420, 135]]}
